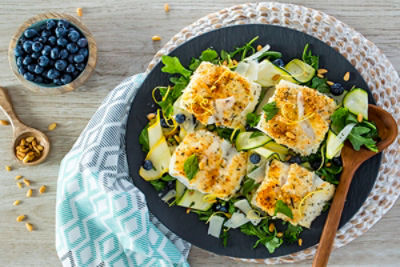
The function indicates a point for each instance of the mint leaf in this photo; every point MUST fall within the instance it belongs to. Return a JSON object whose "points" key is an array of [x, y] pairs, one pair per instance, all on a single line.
{"points": [[208, 55], [292, 233], [320, 85], [191, 166], [144, 139], [309, 58], [172, 65], [270, 110], [252, 119], [281, 207]]}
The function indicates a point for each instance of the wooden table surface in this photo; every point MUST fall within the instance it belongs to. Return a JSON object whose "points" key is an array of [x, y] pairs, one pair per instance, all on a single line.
{"points": [[123, 31]]}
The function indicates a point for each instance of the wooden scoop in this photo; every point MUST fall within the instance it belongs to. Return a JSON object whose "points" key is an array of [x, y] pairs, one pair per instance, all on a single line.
{"points": [[352, 159], [20, 130]]}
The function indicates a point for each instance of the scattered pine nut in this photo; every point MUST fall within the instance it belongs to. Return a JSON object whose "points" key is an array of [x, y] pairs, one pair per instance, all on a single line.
{"points": [[166, 7], [224, 63], [234, 62], [156, 38], [8, 168], [4, 122], [27, 182], [29, 192], [328, 164], [29, 139], [20, 218], [322, 71], [290, 135], [320, 76], [346, 76], [330, 83], [259, 47], [18, 177], [276, 77], [279, 234], [271, 227], [360, 117], [19, 185], [29, 227], [16, 202], [42, 189], [300, 242], [52, 126], [188, 210], [79, 11], [151, 116]]}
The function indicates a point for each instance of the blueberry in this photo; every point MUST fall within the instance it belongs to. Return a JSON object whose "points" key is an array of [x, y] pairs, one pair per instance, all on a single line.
{"points": [[75, 74], [279, 62], [46, 50], [337, 89], [82, 42], [337, 161], [43, 61], [35, 39], [71, 58], [27, 60], [315, 164], [18, 51], [60, 31], [221, 208], [164, 123], [19, 61], [52, 40], [55, 53], [70, 68], [255, 158], [64, 54], [180, 118], [43, 40], [57, 81], [63, 24], [21, 70], [295, 159], [37, 46], [60, 64], [38, 79], [35, 55], [29, 33], [45, 33], [38, 69], [66, 78], [72, 48], [80, 66], [84, 52], [53, 74], [73, 36], [194, 119], [147, 165], [50, 24], [29, 76], [31, 67], [79, 58], [62, 41], [27, 46]]}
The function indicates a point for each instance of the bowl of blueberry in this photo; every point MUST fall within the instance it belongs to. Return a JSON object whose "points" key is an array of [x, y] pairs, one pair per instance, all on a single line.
{"points": [[52, 53]]}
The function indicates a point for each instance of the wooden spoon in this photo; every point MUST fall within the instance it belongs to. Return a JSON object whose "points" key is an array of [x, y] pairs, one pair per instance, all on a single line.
{"points": [[352, 159], [20, 130]]}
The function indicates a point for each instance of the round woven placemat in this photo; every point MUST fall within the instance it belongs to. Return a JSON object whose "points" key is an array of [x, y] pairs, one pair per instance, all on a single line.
{"points": [[375, 68]]}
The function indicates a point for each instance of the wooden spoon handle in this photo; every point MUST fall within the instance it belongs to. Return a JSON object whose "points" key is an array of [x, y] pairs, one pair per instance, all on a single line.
{"points": [[7, 107], [332, 222]]}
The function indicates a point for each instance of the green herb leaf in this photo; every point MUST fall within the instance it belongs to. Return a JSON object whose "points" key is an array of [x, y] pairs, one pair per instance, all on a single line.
{"points": [[292, 233], [271, 55], [281, 207], [309, 58], [191, 166], [320, 85], [159, 185], [338, 119], [226, 133], [224, 237], [270, 110], [357, 141], [167, 178], [252, 119], [273, 243], [244, 50], [144, 139], [172, 65], [194, 64], [208, 55], [256, 134]]}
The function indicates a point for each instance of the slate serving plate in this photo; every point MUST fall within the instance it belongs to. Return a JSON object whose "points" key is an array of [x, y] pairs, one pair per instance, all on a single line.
{"points": [[290, 43]]}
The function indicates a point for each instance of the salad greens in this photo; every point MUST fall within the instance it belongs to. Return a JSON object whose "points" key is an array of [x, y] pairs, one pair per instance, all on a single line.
{"points": [[309, 58], [270, 110], [252, 119], [281, 207]]}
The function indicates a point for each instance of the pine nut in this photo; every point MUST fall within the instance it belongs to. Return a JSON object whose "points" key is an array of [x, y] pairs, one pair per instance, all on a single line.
{"points": [[20, 218], [259, 47], [29, 192], [328, 164], [27, 182], [8, 168], [29, 227], [4, 122], [18, 177], [234, 62], [40, 147], [52, 126], [346, 76], [156, 38], [322, 71], [166, 7], [360, 117], [276, 77], [79, 11], [19, 185], [290, 135], [29, 139], [42, 189], [279, 234], [300, 242], [330, 83], [271, 227], [16, 202], [151, 116], [320, 76]]}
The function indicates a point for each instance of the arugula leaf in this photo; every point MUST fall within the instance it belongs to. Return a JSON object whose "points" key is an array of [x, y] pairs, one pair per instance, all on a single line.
{"points": [[308, 58], [159, 184], [252, 119], [172, 65], [244, 49], [226, 133], [281, 207], [224, 237], [271, 55], [326, 207], [268, 239], [270, 110], [351, 119], [191, 166], [273, 243], [167, 178], [144, 139], [338, 119], [208, 55], [320, 85], [249, 185], [360, 130], [292, 233], [204, 215], [194, 64], [224, 55], [357, 141]]}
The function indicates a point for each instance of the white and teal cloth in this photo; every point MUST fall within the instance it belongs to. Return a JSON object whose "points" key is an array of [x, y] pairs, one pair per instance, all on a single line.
{"points": [[101, 217]]}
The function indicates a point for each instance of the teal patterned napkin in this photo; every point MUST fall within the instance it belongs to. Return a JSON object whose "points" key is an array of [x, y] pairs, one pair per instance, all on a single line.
{"points": [[101, 217]]}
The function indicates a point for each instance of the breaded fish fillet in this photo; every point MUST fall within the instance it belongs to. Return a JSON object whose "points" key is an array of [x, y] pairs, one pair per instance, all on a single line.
{"points": [[221, 167], [215, 94]]}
